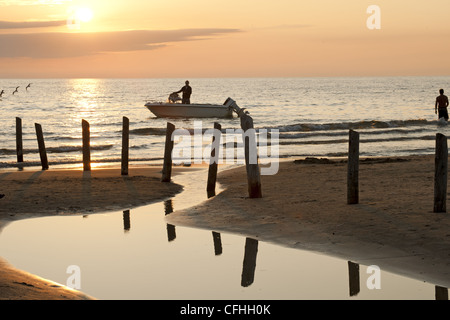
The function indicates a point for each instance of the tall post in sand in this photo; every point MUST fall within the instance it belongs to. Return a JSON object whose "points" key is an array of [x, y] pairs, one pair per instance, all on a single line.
{"points": [[251, 150], [353, 168], [125, 145], [440, 173], [86, 146], [214, 160], [251, 156], [19, 143], [41, 144], [167, 166]]}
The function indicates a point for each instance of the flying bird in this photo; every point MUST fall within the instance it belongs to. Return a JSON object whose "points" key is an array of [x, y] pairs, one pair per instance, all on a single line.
{"points": [[29, 85], [1, 93], [16, 90]]}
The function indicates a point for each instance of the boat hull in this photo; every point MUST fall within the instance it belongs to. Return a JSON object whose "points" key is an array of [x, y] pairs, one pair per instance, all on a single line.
{"points": [[179, 110]]}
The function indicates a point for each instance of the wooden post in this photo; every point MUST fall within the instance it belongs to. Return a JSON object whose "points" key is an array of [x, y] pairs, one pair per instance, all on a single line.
{"points": [[125, 145], [19, 143], [214, 160], [167, 167], [86, 146], [41, 144], [353, 168], [440, 175], [251, 153]]}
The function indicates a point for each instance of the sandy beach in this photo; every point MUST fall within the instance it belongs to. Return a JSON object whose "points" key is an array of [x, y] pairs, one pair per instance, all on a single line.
{"points": [[303, 206]]}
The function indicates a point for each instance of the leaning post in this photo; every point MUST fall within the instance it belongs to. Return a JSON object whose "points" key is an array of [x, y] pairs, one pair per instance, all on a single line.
{"points": [[41, 145]]}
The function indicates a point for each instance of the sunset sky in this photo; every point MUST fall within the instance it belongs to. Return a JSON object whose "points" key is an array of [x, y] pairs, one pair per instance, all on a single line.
{"points": [[233, 38]]}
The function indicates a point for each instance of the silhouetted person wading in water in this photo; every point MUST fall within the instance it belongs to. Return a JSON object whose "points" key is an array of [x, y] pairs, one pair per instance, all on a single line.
{"points": [[441, 105]]}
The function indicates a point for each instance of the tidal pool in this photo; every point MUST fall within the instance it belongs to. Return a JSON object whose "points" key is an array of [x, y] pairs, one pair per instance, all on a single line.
{"points": [[135, 254]]}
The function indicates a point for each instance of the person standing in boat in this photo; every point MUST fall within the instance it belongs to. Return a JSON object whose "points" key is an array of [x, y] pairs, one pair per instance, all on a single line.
{"points": [[187, 91]]}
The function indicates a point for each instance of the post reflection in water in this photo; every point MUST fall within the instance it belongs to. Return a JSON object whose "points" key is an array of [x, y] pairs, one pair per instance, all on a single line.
{"points": [[168, 209], [248, 269], [441, 293], [353, 278], [126, 221], [217, 243]]}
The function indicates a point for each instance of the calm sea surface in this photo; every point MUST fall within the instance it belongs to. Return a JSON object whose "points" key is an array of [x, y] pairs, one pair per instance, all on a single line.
{"points": [[394, 115]]}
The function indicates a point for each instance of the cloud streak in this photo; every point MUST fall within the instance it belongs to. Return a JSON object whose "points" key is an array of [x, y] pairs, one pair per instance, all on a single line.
{"points": [[63, 45], [31, 2], [31, 24]]}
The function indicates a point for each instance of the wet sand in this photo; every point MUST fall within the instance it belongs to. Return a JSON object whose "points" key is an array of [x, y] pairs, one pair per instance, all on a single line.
{"points": [[304, 206]]}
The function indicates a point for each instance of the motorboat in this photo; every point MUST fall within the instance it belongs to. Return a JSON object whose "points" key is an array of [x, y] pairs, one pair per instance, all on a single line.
{"points": [[174, 109]]}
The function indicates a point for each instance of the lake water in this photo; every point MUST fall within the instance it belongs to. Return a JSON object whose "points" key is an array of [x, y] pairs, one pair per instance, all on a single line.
{"points": [[395, 115]]}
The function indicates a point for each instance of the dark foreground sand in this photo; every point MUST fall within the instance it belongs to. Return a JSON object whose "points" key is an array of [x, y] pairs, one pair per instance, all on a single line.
{"points": [[303, 206]]}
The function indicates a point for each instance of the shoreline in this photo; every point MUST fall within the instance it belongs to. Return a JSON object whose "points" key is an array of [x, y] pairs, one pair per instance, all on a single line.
{"points": [[303, 206]]}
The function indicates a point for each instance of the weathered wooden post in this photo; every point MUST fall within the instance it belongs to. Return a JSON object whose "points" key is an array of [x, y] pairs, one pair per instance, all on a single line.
{"points": [[353, 278], [167, 166], [41, 144], [251, 156], [214, 160], [86, 146], [440, 174], [19, 141], [125, 145], [353, 168]]}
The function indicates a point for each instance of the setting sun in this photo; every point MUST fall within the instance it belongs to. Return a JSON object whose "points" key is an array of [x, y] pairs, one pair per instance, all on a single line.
{"points": [[84, 14]]}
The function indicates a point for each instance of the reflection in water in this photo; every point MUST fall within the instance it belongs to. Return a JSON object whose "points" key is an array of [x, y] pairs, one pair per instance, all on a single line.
{"points": [[168, 209], [248, 269], [126, 220], [353, 278], [171, 234], [441, 293], [217, 243]]}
